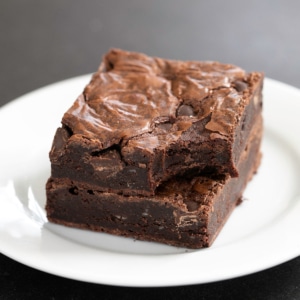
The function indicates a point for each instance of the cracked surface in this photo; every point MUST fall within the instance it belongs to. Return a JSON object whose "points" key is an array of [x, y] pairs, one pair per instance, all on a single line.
{"points": [[143, 120], [132, 94]]}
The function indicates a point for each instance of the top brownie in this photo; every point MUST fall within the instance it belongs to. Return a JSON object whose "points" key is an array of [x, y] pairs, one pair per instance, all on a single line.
{"points": [[142, 120]]}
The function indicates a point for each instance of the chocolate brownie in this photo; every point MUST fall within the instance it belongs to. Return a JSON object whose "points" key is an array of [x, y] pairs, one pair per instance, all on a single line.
{"points": [[184, 212], [143, 120]]}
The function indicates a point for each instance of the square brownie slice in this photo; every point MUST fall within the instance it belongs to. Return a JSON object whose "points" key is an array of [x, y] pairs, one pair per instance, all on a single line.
{"points": [[143, 120]]}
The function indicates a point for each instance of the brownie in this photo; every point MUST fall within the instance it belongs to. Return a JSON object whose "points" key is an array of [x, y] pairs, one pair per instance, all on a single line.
{"points": [[143, 120], [184, 212]]}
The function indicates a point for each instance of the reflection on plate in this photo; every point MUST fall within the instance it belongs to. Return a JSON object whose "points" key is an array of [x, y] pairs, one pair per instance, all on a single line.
{"points": [[262, 232]]}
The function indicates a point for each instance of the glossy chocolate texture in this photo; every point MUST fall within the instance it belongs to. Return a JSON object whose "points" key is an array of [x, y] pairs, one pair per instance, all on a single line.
{"points": [[142, 120]]}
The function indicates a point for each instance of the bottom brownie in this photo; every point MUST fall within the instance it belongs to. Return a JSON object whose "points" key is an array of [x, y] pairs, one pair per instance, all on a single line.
{"points": [[185, 213]]}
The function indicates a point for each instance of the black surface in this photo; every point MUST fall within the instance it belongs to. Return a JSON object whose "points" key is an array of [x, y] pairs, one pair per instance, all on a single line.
{"points": [[46, 41]]}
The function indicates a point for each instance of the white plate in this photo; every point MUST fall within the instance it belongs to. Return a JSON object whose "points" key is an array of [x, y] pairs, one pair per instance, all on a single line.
{"points": [[262, 232]]}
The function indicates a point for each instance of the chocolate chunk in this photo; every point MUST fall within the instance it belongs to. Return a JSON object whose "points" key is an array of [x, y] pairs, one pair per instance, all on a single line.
{"points": [[185, 110], [240, 86], [164, 126], [192, 205]]}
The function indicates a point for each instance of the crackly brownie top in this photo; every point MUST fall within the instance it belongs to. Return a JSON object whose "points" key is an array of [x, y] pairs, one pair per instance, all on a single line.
{"points": [[133, 95]]}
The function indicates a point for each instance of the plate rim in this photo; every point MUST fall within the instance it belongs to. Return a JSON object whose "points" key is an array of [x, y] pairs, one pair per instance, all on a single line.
{"points": [[128, 281]]}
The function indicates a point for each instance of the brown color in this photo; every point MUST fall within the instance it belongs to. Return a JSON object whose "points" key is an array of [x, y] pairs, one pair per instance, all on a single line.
{"points": [[184, 212], [142, 120]]}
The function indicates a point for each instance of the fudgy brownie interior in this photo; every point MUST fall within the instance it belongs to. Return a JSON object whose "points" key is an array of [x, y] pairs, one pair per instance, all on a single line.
{"points": [[184, 212]]}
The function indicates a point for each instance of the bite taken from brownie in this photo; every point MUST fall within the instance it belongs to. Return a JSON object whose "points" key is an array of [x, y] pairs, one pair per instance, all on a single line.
{"points": [[142, 120], [184, 212], [157, 150]]}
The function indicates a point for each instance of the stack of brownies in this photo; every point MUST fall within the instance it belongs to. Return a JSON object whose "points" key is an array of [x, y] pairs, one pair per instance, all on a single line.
{"points": [[156, 149]]}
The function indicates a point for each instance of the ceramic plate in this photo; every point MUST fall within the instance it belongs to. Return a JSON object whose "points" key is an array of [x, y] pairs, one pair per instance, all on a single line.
{"points": [[262, 232]]}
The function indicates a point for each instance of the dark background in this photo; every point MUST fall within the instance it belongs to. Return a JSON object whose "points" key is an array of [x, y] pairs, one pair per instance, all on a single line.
{"points": [[42, 42]]}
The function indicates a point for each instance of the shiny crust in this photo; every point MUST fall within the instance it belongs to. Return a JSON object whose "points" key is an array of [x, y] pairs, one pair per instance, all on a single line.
{"points": [[133, 94], [142, 120]]}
